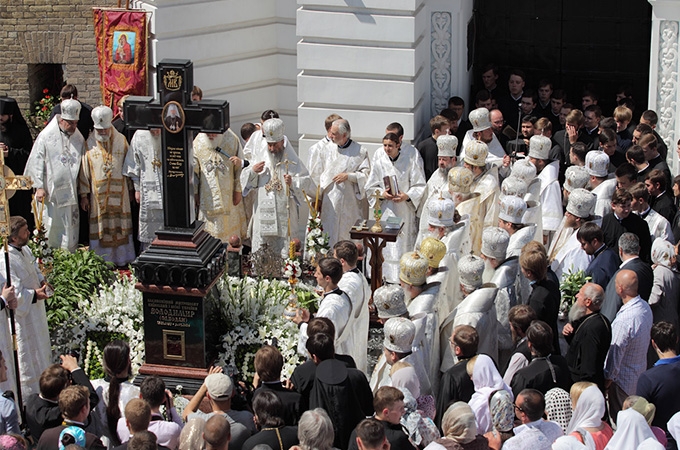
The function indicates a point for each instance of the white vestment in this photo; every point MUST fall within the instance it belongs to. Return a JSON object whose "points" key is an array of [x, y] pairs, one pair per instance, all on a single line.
{"points": [[272, 207], [570, 257], [423, 312], [337, 307], [408, 170], [496, 151], [604, 192], [218, 180], [486, 185], [342, 202], [381, 373], [437, 185], [551, 196], [520, 238], [478, 311], [53, 165], [317, 158], [659, 226], [355, 285], [505, 278], [143, 166], [33, 336], [6, 346]]}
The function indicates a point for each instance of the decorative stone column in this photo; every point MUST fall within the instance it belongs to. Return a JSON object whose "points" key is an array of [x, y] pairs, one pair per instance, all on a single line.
{"points": [[663, 73]]}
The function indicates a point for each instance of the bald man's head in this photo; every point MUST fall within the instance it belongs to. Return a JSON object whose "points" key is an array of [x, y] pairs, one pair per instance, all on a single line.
{"points": [[217, 433], [626, 285]]}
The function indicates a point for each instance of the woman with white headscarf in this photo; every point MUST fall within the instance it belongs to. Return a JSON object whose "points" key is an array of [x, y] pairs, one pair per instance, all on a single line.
{"points": [[486, 380], [460, 430], [586, 423], [666, 287], [631, 431]]}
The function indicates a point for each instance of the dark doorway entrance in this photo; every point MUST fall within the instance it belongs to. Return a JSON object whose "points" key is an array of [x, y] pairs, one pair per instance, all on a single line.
{"points": [[41, 77], [577, 44]]}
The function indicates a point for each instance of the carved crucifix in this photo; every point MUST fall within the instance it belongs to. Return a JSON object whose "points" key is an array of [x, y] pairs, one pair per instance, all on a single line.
{"points": [[179, 118]]}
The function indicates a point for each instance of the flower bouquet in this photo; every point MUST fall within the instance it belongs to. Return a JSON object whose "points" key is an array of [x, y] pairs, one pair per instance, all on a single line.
{"points": [[38, 244], [572, 283]]}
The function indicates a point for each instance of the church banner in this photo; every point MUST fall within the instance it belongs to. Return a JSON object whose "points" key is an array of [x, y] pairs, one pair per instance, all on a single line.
{"points": [[122, 51]]}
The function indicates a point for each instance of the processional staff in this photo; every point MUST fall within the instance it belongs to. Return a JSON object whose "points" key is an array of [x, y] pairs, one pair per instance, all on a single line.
{"points": [[9, 183], [286, 162]]}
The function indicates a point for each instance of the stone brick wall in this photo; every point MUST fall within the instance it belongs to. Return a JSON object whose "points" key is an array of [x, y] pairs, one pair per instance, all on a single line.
{"points": [[56, 32]]}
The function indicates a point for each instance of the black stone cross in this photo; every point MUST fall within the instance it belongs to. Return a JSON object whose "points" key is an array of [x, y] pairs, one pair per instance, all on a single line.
{"points": [[178, 117]]}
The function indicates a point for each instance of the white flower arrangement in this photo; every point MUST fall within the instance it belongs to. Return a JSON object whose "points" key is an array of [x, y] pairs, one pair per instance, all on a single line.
{"points": [[292, 269], [250, 310], [316, 243]]}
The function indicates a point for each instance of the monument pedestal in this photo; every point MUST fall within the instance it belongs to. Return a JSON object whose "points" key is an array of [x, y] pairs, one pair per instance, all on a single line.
{"points": [[176, 341], [176, 274]]}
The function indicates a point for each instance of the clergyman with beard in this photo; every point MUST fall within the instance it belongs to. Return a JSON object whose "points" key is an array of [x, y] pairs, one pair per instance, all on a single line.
{"points": [[104, 191], [588, 334], [53, 166]]}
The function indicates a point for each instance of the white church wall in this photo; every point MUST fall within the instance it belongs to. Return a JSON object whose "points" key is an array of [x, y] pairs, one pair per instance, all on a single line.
{"points": [[243, 52], [362, 60]]}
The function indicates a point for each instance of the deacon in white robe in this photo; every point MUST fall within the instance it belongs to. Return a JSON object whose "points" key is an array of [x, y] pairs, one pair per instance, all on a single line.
{"points": [[8, 300], [355, 285], [279, 191], [406, 165], [144, 167], [342, 169], [53, 165], [550, 192], [104, 191], [335, 305], [33, 335], [217, 164]]}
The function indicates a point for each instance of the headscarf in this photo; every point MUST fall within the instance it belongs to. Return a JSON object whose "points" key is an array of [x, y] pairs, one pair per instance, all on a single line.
{"points": [[631, 431], [641, 405], [567, 443], [486, 380], [71, 435], [662, 252], [674, 426], [502, 411], [459, 424], [589, 410], [421, 430], [650, 444], [558, 407]]}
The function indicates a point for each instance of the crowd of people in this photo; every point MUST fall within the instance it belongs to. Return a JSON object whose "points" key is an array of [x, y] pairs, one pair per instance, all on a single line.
{"points": [[497, 211]]}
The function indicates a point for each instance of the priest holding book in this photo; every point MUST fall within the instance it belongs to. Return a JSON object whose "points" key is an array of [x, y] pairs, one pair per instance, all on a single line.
{"points": [[398, 174]]}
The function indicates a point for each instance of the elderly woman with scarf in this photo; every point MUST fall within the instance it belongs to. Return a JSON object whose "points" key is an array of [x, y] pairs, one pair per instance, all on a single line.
{"points": [[460, 430]]}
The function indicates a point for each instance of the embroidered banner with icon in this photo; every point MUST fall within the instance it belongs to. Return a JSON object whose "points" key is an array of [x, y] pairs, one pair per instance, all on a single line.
{"points": [[122, 51]]}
